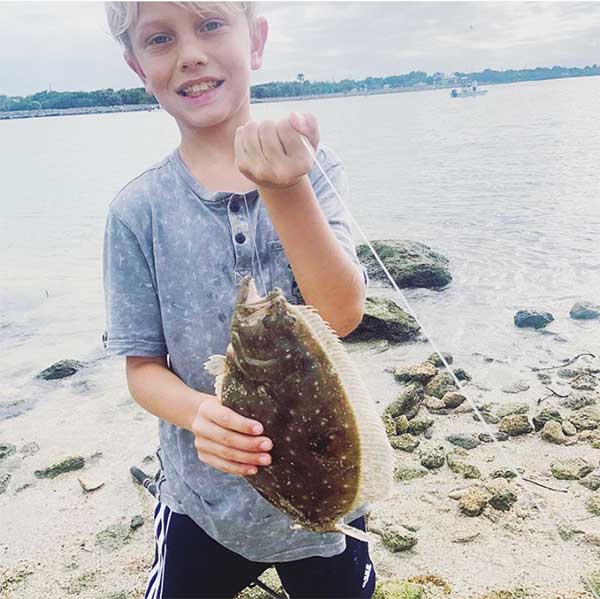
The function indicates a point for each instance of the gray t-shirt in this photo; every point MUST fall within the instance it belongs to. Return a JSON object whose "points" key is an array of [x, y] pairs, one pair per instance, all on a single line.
{"points": [[173, 254]]}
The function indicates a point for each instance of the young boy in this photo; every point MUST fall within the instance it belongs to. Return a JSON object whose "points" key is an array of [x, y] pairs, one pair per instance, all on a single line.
{"points": [[236, 197]]}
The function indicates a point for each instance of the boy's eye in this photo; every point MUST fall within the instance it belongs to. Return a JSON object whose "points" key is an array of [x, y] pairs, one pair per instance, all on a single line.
{"points": [[158, 39], [211, 25]]}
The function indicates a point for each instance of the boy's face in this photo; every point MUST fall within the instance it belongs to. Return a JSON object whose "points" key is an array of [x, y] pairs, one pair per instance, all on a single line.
{"points": [[174, 48]]}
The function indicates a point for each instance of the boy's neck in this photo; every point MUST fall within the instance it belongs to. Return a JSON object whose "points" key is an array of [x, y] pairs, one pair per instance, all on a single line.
{"points": [[210, 156]]}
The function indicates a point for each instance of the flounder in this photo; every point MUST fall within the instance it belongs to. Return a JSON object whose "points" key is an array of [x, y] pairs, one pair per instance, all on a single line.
{"points": [[286, 368]]}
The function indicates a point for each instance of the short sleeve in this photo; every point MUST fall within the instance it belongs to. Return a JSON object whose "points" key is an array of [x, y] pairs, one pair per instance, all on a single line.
{"points": [[334, 210], [133, 318]]}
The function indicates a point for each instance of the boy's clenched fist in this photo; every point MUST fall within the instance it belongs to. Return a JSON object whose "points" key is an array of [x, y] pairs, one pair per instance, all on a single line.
{"points": [[272, 153]]}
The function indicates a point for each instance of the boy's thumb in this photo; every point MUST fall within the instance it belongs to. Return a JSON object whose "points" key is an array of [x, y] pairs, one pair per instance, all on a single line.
{"points": [[298, 121]]}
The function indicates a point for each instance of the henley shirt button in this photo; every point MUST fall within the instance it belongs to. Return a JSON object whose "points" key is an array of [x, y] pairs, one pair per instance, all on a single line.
{"points": [[240, 238], [234, 205]]}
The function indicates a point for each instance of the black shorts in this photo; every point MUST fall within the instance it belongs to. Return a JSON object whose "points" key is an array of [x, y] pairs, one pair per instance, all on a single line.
{"points": [[189, 563]]}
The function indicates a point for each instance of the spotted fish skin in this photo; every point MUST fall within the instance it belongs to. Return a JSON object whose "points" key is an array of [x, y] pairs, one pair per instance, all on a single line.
{"points": [[279, 370]]}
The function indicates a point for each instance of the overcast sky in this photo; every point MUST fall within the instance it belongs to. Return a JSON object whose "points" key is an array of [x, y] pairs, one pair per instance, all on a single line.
{"points": [[66, 45]]}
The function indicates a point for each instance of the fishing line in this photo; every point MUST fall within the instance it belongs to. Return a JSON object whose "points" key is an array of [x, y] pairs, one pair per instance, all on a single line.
{"points": [[255, 254], [507, 461]]}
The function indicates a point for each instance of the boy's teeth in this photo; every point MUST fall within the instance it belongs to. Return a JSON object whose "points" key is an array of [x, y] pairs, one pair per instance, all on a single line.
{"points": [[199, 88]]}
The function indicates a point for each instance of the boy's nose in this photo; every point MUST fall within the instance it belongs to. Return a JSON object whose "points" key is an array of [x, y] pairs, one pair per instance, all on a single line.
{"points": [[191, 55]]}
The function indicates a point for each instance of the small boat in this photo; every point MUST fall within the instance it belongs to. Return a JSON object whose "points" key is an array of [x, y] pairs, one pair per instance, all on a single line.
{"points": [[468, 89]]}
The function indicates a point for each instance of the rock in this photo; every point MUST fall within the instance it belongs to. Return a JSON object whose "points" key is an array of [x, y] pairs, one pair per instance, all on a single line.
{"points": [[585, 382], [433, 403], [517, 387], [473, 502], [487, 417], [584, 311], [4, 480], [465, 537], [421, 373], [410, 263], [432, 457], [403, 473], [567, 531], [457, 462], [410, 399], [440, 384], [502, 494], [568, 428], [552, 432], [592, 505], [515, 424], [464, 408], [401, 424], [462, 375], [30, 448], [487, 438], [7, 449], [464, 441], [396, 589], [570, 469], [60, 370], [592, 539], [384, 319], [67, 465], [545, 416], [591, 481], [398, 538], [576, 401], [505, 473], [113, 537], [404, 442], [586, 419], [389, 424], [536, 319], [417, 426], [428, 434], [89, 485], [511, 407], [453, 399], [437, 361], [136, 522]]}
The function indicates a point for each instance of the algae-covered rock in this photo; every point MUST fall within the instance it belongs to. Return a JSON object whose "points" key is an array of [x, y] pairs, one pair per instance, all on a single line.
{"points": [[398, 589], [502, 494], [405, 473], [584, 311], [473, 501], [510, 408], [506, 473], [408, 401], [440, 384], [591, 481], [404, 442], [7, 449], [67, 465], [384, 319], [420, 373], [464, 441], [410, 263], [516, 387], [60, 370], [553, 433], [113, 537], [417, 426], [437, 361], [397, 538], [432, 457], [539, 420], [389, 424], [515, 424], [453, 399], [535, 319], [576, 400], [457, 461], [587, 418], [570, 469], [592, 505]]}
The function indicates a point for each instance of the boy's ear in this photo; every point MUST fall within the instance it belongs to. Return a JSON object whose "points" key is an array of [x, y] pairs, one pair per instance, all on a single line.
{"points": [[131, 60], [259, 39]]}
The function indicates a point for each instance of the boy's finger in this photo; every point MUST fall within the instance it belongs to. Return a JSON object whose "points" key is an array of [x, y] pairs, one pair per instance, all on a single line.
{"points": [[224, 436], [231, 454], [227, 418], [269, 141], [306, 124]]}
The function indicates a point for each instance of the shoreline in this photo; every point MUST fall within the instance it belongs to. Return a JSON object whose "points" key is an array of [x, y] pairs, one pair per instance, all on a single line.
{"points": [[47, 112]]}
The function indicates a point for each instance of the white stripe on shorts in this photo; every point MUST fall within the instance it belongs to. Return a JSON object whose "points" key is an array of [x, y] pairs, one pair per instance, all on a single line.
{"points": [[154, 579]]}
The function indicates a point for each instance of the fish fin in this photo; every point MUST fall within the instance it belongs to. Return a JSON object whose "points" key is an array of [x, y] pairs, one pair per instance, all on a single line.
{"points": [[296, 526], [355, 533], [215, 365]]}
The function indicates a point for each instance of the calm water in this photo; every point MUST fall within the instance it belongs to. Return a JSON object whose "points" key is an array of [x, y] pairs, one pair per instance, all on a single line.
{"points": [[506, 185]]}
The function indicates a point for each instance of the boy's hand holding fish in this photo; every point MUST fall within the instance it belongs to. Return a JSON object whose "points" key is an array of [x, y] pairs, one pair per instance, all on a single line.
{"points": [[272, 155], [226, 440]]}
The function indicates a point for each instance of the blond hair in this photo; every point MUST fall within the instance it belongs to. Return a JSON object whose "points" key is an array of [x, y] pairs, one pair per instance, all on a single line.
{"points": [[122, 15]]}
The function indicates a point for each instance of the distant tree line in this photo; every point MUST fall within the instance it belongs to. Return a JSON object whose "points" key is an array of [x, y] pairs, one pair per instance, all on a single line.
{"points": [[299, 87]]}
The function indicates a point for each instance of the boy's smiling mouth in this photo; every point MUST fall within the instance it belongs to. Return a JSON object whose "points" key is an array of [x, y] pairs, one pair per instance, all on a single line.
{"points": [[196, 88]]}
